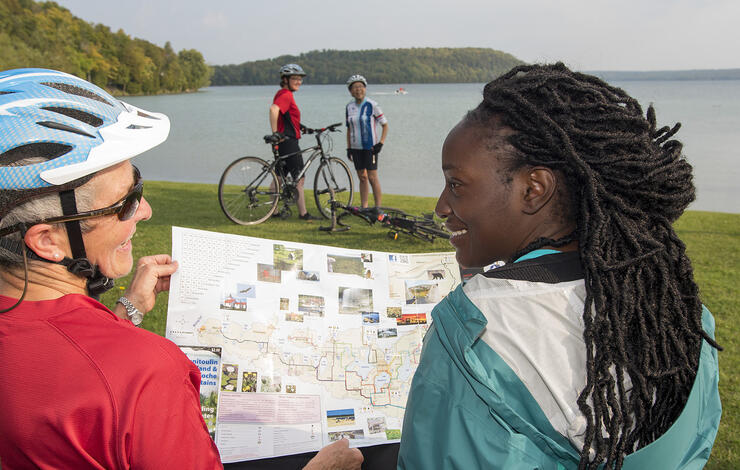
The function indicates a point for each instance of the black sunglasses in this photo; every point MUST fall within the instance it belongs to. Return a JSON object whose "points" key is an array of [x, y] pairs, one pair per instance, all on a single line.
{"points": [[125, 208]]}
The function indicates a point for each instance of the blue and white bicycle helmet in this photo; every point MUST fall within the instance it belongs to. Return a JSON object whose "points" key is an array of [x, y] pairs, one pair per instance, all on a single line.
{"points": [[291, 69], [356, 78], [75, 129], [83, 128]]}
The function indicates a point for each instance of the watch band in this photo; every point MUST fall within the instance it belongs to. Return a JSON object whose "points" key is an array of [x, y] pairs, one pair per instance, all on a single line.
{"points": [[134, 315]]}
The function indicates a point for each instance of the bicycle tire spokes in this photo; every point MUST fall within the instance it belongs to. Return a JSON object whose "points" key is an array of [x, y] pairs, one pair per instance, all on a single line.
{"points": [[333, 182], [248, 191]]}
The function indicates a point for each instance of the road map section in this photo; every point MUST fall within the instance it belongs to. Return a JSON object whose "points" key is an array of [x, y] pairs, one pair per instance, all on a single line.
{"points": [[317, 343]]}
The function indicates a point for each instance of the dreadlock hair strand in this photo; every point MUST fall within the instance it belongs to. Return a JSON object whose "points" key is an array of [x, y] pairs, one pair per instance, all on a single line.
{"points": [[628, 183]]}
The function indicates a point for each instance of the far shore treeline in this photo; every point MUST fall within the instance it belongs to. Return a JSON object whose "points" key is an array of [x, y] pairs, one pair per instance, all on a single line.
{"points": [[415, 65], [46, 35]]}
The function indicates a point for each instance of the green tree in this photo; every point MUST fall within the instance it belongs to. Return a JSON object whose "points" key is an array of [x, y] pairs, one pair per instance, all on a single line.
{"points": [[46, 35]]}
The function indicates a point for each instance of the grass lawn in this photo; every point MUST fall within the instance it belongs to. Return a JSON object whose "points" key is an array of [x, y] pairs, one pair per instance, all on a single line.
{"points": [[713, 241]]}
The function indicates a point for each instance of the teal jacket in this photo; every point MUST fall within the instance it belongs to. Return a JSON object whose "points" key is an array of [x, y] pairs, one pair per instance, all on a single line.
{"points": [[468, 410]]}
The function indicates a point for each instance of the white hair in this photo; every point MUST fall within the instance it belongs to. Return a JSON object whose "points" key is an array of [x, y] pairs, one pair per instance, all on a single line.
{"points": [[40, 208]]}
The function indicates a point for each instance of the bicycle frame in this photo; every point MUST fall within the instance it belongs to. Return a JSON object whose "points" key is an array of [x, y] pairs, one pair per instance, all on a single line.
{"points": [[248, 202], [318, 151], [396, 220]]}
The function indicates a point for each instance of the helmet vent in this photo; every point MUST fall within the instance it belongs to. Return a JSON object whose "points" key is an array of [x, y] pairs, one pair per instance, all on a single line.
{"points": [[134, 126], [87, 118], [64, 127], [6, 92], [145, 115], [45, 150], [75, 90]]}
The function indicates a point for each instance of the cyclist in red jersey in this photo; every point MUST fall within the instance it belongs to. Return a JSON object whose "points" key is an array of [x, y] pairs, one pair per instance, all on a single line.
{"points": [[285, 117]]}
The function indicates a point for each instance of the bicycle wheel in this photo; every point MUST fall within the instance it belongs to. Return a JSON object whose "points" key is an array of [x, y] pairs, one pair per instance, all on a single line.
{"points": [[332, 173], [248, 191]]}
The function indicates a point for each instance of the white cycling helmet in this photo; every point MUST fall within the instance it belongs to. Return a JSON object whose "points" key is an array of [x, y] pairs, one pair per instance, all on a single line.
{"points": [[76, 126], [356, 78], [291, 69]]}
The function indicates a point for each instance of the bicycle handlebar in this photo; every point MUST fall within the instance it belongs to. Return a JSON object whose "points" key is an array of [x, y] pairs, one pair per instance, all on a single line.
{"points": [[277, 137]]}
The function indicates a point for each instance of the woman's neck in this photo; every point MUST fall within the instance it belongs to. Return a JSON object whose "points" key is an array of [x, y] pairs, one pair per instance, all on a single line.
{"points": [[45, 282]]}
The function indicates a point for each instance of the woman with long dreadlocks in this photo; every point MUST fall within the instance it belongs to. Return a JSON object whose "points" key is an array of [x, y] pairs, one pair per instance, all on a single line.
{"points": [[590, 346]]}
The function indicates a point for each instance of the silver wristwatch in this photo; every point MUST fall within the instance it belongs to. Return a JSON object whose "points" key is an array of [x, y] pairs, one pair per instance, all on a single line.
{"points": [[133, 313]]}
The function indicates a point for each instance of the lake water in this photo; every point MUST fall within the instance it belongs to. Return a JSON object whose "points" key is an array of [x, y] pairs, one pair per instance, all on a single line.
{"points": [[215, 126]]}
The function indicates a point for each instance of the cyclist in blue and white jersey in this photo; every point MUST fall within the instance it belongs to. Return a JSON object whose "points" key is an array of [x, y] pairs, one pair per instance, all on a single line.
{"points": [[363, 146]]}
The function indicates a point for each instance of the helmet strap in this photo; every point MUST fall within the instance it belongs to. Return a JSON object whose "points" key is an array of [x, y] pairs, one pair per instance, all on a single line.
{"points": [[74, 232], [79, 265], [97, 283]]}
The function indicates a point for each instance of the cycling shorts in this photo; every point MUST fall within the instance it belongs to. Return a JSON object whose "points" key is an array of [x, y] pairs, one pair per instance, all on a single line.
{"points": [[364, 159], [293, 164]]}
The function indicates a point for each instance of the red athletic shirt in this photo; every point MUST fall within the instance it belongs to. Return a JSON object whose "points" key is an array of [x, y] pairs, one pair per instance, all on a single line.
{"points": [[289, 119], [83, 389]]}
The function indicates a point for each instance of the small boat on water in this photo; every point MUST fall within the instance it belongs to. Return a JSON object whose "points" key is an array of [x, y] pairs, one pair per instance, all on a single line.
{"points": [[401, 91]]}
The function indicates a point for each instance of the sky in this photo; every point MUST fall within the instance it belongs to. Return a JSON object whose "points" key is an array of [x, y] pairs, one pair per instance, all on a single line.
{"points": [[587, 35]]}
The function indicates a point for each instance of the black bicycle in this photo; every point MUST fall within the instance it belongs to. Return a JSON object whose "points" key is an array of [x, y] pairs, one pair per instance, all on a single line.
{"points": [[251, 188], [423, 227]]}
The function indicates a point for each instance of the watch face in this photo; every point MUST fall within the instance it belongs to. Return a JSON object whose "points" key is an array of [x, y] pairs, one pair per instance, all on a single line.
{"points": [[136, 318]]}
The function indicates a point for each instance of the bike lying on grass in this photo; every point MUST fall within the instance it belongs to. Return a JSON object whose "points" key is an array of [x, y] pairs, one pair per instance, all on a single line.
{"points": [[423, 227], [251, 188]]}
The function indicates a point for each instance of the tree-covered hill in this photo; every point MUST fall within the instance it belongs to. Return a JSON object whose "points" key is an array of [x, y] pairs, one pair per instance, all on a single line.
{"points": [[46, 35], [417, 65]]}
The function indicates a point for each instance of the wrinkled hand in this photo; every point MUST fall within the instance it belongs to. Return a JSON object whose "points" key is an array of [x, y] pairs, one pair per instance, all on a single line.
{"points": [[349, 154], [377, 147], [336, 456], [151, 277]]}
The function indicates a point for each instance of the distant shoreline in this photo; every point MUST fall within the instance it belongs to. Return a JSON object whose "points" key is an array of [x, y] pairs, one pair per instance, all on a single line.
{"points": [[613, 76], [685, 75]]}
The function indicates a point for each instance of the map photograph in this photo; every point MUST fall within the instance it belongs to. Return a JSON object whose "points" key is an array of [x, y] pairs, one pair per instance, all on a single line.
{"points": [[296, 317], [229, 377], [268, 273], [387, 332], [336, 418], [355, 300], [287, 259], [311, 305], [412, 319], [393, 312], [345, 264], [307, 275], [271, 384], [249, 382], [370, 317], [351, 435], [376, 425], [236, 298], [421, 292]]}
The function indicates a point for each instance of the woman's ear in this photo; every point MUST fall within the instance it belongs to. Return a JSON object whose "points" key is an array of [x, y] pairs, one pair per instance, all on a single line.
{"points": [[541, 184], [46, 241]]}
